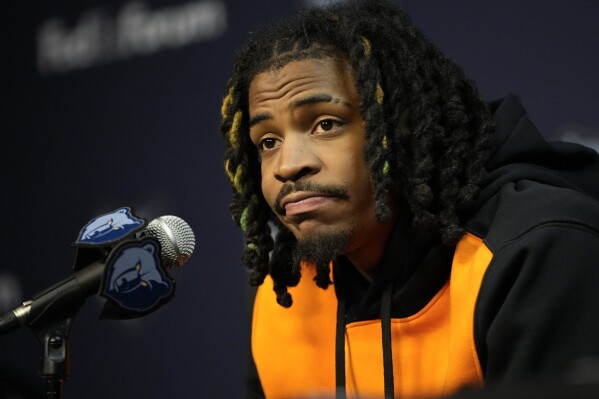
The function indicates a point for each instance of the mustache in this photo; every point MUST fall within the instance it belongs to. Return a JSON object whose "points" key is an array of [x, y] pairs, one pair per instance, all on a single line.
{"points": [[325, 190]]}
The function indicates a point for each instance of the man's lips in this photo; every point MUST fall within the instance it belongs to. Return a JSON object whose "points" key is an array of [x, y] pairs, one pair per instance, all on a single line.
{"points": [[303, 197], [303, 202]]}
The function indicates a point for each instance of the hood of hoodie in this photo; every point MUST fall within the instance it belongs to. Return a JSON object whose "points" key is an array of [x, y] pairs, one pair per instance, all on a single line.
{"points": [[520, 152], [419, 266]]}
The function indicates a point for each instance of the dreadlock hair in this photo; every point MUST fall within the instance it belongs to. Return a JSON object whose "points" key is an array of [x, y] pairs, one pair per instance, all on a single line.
{"points": [[427, 129]]}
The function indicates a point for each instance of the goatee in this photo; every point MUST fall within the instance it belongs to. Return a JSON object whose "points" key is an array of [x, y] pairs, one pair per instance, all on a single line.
{"points": [[321, 248]]}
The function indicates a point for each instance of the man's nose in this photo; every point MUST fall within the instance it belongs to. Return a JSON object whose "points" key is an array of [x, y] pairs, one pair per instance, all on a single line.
{"points": [[297, 159]]}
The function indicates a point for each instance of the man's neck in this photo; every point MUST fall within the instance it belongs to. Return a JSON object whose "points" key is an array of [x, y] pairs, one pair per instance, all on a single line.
{"points": [[366, 256]]}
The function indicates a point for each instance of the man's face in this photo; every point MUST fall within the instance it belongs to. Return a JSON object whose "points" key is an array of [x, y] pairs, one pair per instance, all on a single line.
{"points": [[306, 123]]}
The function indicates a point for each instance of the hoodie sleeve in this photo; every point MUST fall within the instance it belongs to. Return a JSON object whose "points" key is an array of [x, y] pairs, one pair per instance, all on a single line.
{"points": [[537, 316]]}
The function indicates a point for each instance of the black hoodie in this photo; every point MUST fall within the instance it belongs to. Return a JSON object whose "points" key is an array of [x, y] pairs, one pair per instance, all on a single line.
{"points": [[513, 302]]}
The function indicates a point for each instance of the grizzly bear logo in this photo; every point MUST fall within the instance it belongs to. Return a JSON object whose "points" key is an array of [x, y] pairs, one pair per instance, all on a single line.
{"points": [[109, 227], [134, 277]]}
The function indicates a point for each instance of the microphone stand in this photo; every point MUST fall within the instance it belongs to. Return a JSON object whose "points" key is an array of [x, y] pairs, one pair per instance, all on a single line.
{"points": [[51, 315], [53, 335]]}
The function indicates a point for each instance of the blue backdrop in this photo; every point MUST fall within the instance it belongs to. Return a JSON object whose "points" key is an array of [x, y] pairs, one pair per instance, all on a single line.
{"points": [[112, 103]]}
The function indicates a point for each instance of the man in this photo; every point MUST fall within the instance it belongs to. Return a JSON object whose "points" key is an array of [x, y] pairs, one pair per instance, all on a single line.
{"points": [[426, 241]]}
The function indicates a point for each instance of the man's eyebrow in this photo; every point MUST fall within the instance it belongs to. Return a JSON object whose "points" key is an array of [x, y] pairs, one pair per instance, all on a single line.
{"points": [[319, 98], [259, 118], [314, 99]]}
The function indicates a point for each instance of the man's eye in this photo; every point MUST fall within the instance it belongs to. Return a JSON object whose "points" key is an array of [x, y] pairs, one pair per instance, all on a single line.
{"points": [[267, 144], [327, 125]]}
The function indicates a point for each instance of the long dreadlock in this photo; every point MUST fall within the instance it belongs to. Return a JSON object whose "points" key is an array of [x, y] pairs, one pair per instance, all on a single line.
{"points": [[427, 130]]}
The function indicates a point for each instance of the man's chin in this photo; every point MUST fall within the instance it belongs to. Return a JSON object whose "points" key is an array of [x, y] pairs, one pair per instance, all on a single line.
{"points": [[308, 227], [320, 247], [302, 219]]}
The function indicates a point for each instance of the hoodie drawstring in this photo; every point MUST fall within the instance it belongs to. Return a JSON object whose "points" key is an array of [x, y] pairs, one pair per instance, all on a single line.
{"points": [[340, 351], [389, 384], [386, 338]]}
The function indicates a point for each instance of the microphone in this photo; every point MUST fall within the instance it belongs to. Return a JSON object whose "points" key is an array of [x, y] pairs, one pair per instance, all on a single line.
{"points": [[133, 268]]}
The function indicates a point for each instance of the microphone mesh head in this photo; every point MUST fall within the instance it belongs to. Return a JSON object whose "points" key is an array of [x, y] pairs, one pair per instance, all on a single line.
{"points": [[176, 239]]}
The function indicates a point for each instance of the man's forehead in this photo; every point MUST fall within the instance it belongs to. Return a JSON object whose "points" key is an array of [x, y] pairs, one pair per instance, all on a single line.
{"points": [[325, 76]]}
